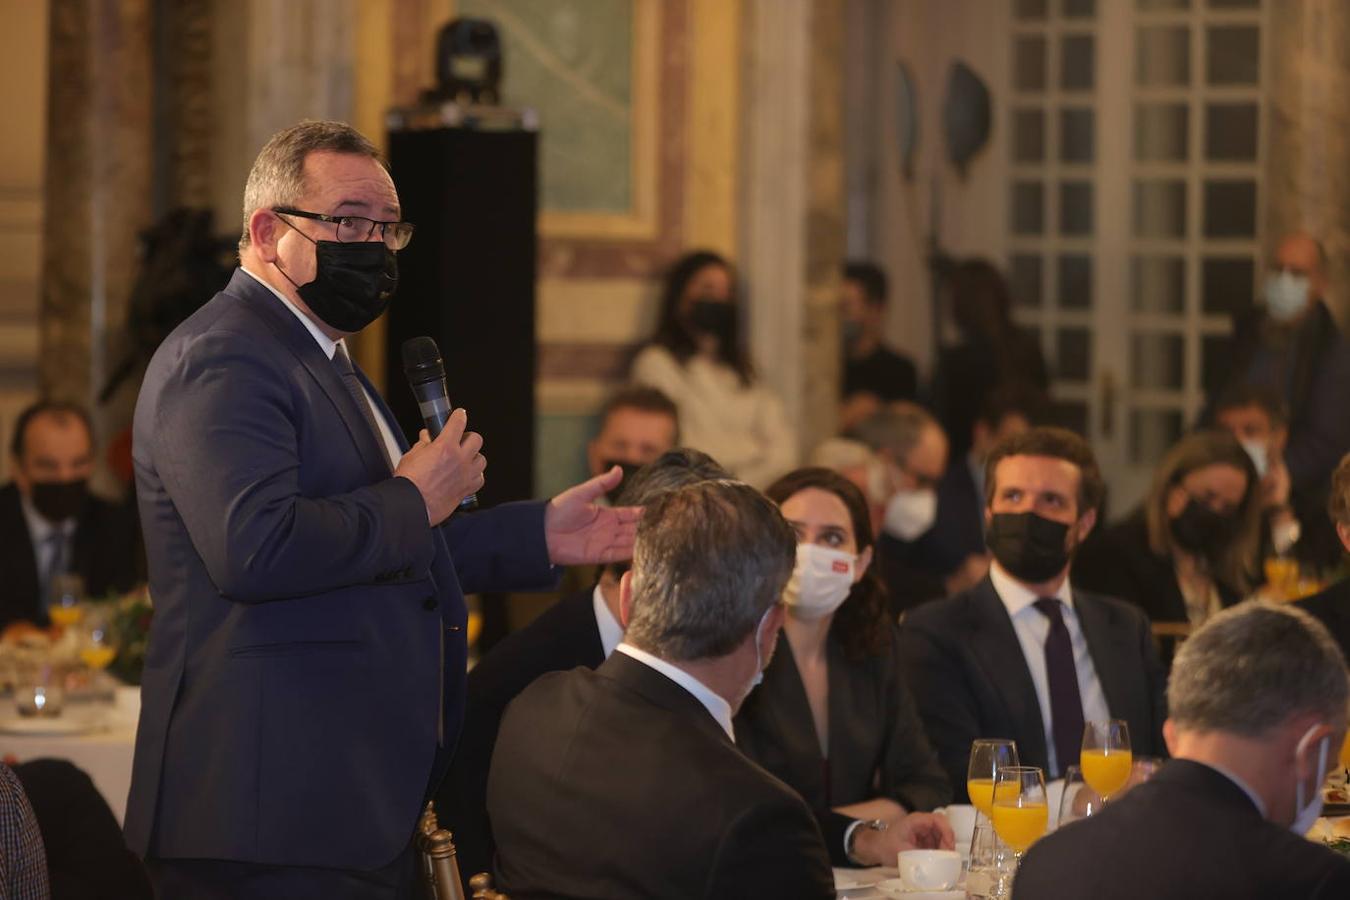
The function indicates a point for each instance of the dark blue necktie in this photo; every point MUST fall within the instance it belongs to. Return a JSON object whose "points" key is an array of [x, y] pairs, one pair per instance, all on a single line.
{"points": [[1066, 704]]}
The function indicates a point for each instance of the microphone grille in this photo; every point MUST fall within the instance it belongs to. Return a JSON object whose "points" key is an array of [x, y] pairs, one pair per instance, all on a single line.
{"points": [[420, 351]]}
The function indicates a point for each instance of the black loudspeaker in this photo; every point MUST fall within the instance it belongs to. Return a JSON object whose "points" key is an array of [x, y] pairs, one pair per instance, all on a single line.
{"points": [[467, 281]]}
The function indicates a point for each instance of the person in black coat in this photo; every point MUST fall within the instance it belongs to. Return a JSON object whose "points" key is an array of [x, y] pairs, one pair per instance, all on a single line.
{"points": [[982, 664], [1332, 606], [624, 781], [50, 524], [87, 857], [834, 718], [1192, 548], [1258, 710], [874, 374], [580, 630]]}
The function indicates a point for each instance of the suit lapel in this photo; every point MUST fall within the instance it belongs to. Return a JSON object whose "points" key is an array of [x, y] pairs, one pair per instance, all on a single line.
{"points": [[997, 649], [1111, 656], [783, 702], [296, 338]]}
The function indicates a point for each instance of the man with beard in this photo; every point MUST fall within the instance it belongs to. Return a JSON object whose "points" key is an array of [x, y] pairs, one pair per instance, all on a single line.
{"points": [[1022, 655]]}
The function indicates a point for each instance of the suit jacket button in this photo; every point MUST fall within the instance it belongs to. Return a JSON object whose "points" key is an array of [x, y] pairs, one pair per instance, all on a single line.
{"points": [[430, 602]]}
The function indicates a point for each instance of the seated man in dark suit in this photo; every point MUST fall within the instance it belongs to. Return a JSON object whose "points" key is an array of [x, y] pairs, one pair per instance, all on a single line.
{"points": [[1023, 655], [581, 629], [50, 524], [954, 547], [625, 781], [1258, 711], [1332, 606]]}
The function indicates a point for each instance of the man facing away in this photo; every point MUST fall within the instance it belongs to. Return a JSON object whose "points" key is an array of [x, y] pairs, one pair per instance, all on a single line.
{"points": [[1024, 655], [1258, 711], [304, 679], [625, 781]]}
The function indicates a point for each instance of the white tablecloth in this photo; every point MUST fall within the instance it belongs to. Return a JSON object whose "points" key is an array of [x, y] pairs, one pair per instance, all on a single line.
{"points": [[105, 755]]}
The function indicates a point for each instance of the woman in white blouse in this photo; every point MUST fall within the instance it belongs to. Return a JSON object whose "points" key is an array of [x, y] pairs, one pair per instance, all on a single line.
{"points": [[698, 358]]}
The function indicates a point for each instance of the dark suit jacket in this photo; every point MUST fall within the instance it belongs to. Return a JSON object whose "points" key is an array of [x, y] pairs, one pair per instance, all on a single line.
{"points": [[617, 783], [106, 552], [1332, 607], [970, 679], [908, 580], [564, 637], [1188, 832], [877, 744], [309, 626], [958, 530], [884, 373], [87, 857], [1120, 563]]}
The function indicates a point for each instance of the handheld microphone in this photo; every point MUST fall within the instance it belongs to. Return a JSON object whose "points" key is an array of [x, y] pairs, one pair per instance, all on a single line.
{"points": [[426, 376]]}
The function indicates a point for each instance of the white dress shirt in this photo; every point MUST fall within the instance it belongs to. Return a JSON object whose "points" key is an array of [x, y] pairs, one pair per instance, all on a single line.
{"points": [[718, 708], [611, 632], [1032, 628], [329, 348]]}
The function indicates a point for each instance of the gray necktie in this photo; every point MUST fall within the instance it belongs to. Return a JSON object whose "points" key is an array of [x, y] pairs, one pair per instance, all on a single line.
{"points": [[343, 363]]}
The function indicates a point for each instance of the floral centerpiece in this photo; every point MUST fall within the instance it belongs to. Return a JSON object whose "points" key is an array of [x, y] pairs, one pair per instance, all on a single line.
{"points": [[130, 627]]}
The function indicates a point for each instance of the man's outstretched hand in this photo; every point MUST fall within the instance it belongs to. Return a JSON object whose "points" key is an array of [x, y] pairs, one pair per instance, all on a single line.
{"points": [[579, 532]]}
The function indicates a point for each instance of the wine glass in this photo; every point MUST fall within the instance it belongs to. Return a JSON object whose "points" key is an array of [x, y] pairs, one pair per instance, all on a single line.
{"points": [[65, 596], [1105, 757], [1020, 811], [987, 756], [1079, 800], [97, 650]]}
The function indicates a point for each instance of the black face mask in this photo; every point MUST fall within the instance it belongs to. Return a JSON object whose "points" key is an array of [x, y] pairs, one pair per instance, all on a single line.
{"points": [[1201, 530], [353, 283], [1030, 547], [628, 470], [713, 317], [57, 501]]}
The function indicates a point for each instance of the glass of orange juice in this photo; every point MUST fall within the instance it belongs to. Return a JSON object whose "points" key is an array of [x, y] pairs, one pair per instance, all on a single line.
{"points": [[1105, 757], [1345, 751], [65, 600], [1020, 813], [97, 650], [987, 756]]}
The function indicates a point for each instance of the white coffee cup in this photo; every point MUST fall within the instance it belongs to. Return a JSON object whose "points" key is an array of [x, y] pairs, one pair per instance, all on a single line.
{"points": [[962, 819], [930, 870]]}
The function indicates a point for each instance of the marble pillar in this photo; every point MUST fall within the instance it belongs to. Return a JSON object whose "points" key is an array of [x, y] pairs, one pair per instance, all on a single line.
{"points": [[1307, 182], [98, 191]]}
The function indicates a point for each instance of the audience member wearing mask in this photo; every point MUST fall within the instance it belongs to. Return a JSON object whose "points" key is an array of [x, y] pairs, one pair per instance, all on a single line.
{"points": [[993, 351], [1192, 547], [52, 524], [1292, 347], [637, 424], [913, 451], [874, 374], [1258, 710], [1256, 417], [834, 718], [698, 358], [1332, 606], [1024, 654], [954, 547], [626, 781], [581, 629]]}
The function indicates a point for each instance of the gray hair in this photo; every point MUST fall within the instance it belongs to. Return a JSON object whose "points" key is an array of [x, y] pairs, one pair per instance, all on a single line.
{"points": [[897, 428], [1250, 668], [278, 174], [709, 561], [670, 471]]}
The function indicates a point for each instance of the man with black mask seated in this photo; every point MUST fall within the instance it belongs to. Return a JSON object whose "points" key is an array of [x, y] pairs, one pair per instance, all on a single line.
{"points": [[637, 424], [1022, 655], [50, 524]]}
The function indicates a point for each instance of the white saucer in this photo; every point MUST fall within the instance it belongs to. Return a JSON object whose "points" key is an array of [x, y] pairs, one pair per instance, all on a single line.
{"points": [[894, 887], [65, 724]]}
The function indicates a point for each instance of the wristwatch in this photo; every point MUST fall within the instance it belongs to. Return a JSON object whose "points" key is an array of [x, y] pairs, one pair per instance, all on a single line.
{"points": [[851, 834]]}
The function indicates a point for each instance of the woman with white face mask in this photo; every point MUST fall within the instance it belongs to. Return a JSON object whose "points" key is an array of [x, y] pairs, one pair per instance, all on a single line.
{"points": [[834, 718]]}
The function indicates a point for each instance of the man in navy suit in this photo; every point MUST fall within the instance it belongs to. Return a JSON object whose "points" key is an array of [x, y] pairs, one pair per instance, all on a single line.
{"points": [[303, 687], [1024, 655]]}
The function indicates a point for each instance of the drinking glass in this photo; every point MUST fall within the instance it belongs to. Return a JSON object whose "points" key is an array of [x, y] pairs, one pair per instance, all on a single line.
{"points": [[1020, 811], [1105, 757], [97, 650], [991, 865], [1079, 800], [987, 756], [65, 600]]}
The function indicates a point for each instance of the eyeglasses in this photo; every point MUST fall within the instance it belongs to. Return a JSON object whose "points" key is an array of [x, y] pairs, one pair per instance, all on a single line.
{"points": [[356, 229]]}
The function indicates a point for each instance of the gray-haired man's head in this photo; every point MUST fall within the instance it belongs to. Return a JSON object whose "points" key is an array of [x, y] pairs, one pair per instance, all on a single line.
{"points": [[709, 561], [1252, 668]]}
